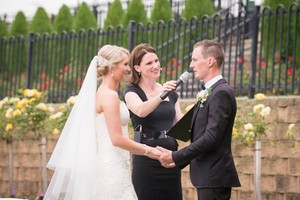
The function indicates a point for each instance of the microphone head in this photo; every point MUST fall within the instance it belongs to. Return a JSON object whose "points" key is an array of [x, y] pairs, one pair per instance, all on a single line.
{"points": [[185, 76]]}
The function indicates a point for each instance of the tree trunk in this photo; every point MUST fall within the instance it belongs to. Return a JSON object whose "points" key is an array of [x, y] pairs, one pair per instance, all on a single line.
{"points": [[11, 167], [44, 163], [257, 161]]}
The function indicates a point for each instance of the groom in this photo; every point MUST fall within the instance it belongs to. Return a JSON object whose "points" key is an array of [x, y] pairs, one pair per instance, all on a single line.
{"points": [[212, 168]]}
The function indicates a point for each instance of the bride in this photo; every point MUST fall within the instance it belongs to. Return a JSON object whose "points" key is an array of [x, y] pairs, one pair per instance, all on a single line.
{"points": [[91, 159]]}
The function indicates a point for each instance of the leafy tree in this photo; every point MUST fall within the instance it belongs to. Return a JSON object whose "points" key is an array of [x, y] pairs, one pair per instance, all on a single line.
{"points": [[19, 28], [41, 22], [114, 15], [63, 20], [41, 25], [3, 59], [197, 8], [136, 11], [161, 11], [3, 29], [19, 25], [85, 18], [84, 44]]}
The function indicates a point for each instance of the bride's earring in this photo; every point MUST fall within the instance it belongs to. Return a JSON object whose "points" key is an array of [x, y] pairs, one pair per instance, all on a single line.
{"points": [[112, 74]]}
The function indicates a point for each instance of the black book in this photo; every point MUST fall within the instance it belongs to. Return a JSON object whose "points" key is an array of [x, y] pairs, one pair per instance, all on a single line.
{"points": [[182, 129]]}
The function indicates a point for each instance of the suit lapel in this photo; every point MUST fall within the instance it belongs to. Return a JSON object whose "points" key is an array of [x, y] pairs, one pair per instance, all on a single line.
{"points": [[196, 107]]}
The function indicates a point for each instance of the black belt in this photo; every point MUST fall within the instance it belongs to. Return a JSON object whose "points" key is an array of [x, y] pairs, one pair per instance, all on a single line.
{"points": [[154, 135]]}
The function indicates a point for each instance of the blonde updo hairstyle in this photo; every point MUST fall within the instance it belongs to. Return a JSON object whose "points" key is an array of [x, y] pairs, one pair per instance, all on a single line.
{"points": [[108, 57]]}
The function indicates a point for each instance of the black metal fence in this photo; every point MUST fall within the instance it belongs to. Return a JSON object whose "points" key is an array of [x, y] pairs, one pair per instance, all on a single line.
{"points": [[262, 53]]}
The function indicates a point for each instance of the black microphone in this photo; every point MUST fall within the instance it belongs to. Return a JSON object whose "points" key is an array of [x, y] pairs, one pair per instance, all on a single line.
{"points": [[182, 79]]}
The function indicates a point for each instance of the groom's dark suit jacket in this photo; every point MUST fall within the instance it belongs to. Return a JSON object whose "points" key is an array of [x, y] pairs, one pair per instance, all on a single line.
{"points": [[209, 154]]}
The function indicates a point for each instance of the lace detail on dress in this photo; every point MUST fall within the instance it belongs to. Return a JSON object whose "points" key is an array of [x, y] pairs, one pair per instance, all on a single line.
{"points": [[114, 172]]}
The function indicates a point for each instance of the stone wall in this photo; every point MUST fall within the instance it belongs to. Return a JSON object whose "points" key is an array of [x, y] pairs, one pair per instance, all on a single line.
{"points": [[280, 179]]}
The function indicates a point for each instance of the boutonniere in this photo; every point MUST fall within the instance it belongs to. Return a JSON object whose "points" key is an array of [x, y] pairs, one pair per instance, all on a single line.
{"points": [[202, 96]]}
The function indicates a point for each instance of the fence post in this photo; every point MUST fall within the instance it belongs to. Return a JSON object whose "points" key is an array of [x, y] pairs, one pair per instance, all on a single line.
{"points": [[29, 60], [254, 34], [131, 34]]}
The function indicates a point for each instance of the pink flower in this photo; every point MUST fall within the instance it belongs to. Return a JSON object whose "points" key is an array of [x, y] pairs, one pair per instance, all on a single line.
{"points": [[43, 75], [66, 68], [240, 61], [263, 64], [290, 71]]}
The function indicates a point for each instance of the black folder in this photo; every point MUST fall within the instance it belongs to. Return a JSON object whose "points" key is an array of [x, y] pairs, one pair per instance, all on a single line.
{"points": [[182, 129]]}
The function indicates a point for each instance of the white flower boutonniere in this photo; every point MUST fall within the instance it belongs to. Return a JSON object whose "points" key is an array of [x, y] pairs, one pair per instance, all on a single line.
{"points": [[202, 96]]}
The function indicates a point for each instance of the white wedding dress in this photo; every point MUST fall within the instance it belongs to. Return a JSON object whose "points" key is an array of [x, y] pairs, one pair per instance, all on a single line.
{"points": [[114, 172], [85, 163]]}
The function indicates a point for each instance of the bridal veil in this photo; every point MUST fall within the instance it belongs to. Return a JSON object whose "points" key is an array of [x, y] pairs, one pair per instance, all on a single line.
{"points": [[74, 157]]}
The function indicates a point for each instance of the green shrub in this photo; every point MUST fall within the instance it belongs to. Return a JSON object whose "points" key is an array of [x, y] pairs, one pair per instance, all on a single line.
{"points": [[63, 20], [85, 18], [3, 29], [19, 25], [161, 11], [114, 15], [41, 22]]}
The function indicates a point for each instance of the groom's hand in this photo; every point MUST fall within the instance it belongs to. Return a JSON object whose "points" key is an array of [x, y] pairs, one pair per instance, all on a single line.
{"points": [[165, 158]]}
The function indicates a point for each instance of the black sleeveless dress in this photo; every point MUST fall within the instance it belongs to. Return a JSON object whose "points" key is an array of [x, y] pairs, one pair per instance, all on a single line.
{"points": [[151, 180]]}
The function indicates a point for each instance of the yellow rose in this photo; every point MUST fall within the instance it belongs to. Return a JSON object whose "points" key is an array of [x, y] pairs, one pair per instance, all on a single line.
{"points": [[9, 127], [259, 96], [21, 104], [56, 115], [6, 99], [14, 100], [16, 113], [250, 137], [56, 131], [257, 108], [37, 94], [28, 93], [251, 134], [1, 104], [234, 132], [51, 109], [290, 132], [8, 113], [71, 100], [32, 100], [3, 101], [62, 107], [291, 126], [42, 106], [32, 93], [265, 111], [248, 127]]}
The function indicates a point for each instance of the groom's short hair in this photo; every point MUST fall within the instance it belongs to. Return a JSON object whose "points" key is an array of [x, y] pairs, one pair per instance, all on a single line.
{"points": [[212, 48]]}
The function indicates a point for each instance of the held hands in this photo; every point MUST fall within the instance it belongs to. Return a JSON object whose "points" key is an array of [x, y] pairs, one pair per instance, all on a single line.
{"points": [[165, 158], [153, 153]]}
